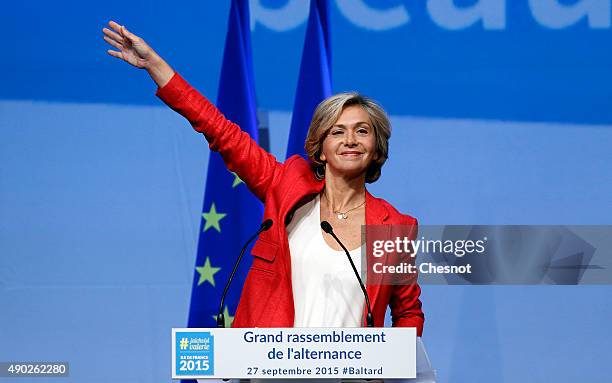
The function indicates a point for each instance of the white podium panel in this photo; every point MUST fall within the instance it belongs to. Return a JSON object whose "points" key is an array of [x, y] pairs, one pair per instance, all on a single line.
{"points": [[306, 353]]}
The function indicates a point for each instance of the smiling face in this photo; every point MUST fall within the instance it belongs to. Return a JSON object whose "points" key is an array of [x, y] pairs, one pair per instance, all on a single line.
{"points": [[350, 145], [347, 137]]}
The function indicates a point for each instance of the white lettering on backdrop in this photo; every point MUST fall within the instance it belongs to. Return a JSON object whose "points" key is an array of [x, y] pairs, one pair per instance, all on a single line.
{"points": [[444, 13]]}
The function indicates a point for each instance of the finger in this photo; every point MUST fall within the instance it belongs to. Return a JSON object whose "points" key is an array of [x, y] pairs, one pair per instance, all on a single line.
{"points": [[113, 42], [116, 54], [116, 27], [113, 35], [127, 34]]}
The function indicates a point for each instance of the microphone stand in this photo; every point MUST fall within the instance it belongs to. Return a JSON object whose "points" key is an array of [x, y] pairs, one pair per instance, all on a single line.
{"points": [[329, 230], [267, 224]]}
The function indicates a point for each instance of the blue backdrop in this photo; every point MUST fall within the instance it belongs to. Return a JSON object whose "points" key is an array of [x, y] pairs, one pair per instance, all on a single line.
{"points": [[501, 114]]}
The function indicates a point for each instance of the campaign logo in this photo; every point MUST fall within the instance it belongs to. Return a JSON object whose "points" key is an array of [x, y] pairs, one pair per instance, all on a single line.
{"points": [[194, 353]]}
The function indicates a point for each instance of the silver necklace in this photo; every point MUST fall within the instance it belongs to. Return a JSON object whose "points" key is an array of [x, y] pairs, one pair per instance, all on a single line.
{"points": [[344, 215]]}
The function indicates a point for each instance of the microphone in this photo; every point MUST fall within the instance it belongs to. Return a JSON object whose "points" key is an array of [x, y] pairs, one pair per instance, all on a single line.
{"points": [[265, 225], [329, 230]]}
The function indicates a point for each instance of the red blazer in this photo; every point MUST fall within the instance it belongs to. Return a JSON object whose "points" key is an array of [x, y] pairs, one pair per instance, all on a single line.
{"points": [[267, 297]]}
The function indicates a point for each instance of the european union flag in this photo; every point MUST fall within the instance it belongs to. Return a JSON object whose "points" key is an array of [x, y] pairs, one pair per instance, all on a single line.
{"points": [[314, 84], [230, 213]]}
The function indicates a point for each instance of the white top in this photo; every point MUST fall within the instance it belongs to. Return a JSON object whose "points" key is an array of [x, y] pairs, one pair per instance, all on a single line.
{"points": [[326, 292]]}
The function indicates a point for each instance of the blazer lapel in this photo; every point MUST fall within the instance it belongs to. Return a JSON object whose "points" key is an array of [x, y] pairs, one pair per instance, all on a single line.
{"points": [[376, 214], [302, 187]]}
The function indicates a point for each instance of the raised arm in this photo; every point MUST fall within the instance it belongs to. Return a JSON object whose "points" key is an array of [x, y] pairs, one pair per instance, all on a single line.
{"points": [[242, 155]]}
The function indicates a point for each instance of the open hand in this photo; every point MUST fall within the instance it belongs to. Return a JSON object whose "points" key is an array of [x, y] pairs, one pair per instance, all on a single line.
{"points": [[132, 48], [136, 51]]}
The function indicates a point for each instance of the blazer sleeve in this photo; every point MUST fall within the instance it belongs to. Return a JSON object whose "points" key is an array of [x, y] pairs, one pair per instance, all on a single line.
{"points": [[405, 303], [241, 154]]}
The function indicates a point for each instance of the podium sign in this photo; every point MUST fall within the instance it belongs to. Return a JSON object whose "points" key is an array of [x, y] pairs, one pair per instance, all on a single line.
{"points": [[246, 353]]}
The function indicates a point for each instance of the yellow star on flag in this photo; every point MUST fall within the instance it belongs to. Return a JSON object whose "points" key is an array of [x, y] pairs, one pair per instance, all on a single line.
{"points": [[237, 180], [212, 218], [228, 319], [207, 272]]}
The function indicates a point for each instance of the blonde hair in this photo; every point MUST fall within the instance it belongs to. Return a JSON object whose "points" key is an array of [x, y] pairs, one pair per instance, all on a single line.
{"points": [[325, 116]]}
